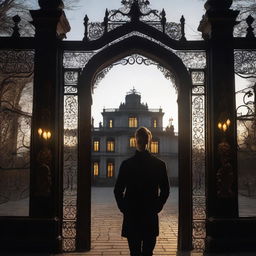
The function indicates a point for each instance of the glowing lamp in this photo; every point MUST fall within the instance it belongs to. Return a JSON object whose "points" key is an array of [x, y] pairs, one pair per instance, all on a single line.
{"points": [[224, 127], [40, 131], [45, 135], [49, 135]]}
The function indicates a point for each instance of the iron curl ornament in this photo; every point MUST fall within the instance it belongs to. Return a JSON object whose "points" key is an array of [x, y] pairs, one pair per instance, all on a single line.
{"points": [[133, 11]]}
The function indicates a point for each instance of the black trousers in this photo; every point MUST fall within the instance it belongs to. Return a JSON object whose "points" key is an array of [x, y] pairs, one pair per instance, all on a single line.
{"points": [[141, 246]]}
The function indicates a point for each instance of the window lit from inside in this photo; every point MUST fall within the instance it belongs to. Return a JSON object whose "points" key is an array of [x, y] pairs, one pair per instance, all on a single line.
{"points": [[155, 123], [154, 147], [110, 145], [96, 168], [110, 123], [110, 169], [96, 145], [133, 122], [132, 142]]}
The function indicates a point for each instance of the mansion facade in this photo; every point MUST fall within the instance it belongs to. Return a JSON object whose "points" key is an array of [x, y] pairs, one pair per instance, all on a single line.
{"points": [[114, 141]]}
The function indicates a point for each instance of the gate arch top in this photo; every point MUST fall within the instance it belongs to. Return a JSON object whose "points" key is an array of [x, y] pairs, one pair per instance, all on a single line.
{"points": [[139, 45], [138, 17]]}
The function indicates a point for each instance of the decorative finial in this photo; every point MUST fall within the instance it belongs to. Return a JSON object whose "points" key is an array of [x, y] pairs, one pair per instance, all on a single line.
{"points": [[135, 12], [86, 19], [163, 20], [105, 22], [182, 23], [16, 19], [249, 21]]}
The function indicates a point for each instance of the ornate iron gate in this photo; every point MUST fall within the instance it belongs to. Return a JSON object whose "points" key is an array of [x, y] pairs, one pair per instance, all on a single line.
{"points": [[116, 28], [208, 71]]}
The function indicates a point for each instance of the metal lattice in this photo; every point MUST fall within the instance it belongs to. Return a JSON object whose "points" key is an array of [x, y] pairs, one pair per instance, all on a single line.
{"points": [[134, 10], [198, 158], [16, 100], [70, 159]]}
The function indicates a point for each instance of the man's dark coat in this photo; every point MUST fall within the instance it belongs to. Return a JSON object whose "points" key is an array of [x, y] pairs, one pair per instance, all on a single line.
{"points": [[141, 191]]}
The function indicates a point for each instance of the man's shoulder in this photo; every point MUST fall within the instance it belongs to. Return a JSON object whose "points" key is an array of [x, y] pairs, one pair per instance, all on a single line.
{"points": [[157, 160], [128, 160]]}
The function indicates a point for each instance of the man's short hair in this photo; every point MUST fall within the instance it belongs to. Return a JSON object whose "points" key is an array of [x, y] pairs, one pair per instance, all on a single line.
{"points": [[143, 134]]}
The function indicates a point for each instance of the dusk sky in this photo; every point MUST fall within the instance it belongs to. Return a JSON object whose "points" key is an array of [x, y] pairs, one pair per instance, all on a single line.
{"points": [[148, 80], [155, 90]]}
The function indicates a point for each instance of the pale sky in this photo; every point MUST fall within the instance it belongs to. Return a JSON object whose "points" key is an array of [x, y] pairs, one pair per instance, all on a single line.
{"points": [[155, 90]]}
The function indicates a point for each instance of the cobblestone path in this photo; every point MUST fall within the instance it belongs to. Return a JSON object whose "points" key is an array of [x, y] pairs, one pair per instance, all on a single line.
{"points": [[106, 226]]}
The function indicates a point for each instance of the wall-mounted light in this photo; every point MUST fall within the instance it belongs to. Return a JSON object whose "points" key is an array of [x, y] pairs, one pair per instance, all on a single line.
{"points": [[45, 134], [224, 126]]}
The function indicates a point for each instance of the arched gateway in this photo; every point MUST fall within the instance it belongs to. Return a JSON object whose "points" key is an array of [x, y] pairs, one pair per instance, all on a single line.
{"points": [[170, 61], [58, 212], [135, 36]]}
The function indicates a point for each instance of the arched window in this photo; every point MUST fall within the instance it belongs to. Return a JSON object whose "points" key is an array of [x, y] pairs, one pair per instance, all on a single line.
{"points": [[132, 142]]}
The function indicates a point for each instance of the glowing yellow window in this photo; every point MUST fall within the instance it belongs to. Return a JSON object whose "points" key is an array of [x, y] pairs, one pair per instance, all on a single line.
{"points": [[96, 145], [133, 122], [96, 168], [155, 123], [154, 147], [110, 146], [110, 123], [110, 170], [132, 142]]}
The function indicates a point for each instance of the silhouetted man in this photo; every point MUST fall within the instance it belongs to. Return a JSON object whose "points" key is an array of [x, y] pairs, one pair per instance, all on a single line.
{"points": [[141, 191]]}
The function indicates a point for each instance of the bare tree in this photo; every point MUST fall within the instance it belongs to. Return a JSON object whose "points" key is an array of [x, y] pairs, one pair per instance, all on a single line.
{"points": [[10, 8], [246, 7]]}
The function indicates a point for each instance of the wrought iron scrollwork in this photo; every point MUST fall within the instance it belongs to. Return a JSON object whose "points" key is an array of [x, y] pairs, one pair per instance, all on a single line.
{"points": [[249, 21], [245, 63], [193, 59], [76, 59], [16, 61], [198, 158], [246, 111], [16, 19], [135, 59], [134, 11], [246, 118], [70, 164], [71, 77]]}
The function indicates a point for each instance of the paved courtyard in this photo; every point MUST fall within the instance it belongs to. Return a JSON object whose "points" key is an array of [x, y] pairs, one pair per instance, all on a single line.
{"points": [[107, 220]]}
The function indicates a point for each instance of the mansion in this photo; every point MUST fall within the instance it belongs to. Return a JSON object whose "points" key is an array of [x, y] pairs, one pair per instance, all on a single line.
{"points": [[114, 141]]}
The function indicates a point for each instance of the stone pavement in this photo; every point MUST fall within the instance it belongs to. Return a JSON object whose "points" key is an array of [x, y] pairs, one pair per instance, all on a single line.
{"points": [[107, 220], [106, 229]]}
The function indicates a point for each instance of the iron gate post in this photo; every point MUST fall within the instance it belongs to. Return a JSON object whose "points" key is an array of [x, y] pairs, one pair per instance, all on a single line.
{"points": [[45, 182], [221, 172]]}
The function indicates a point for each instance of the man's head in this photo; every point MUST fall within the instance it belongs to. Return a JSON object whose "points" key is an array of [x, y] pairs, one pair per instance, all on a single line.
{"points": [[143, 137]]}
